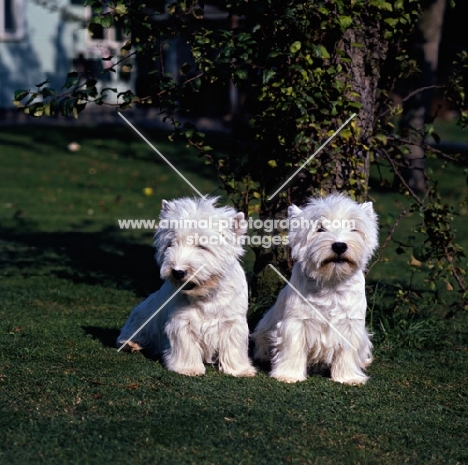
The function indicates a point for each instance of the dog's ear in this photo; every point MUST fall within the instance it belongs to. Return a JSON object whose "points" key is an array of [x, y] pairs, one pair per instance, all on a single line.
{"points": [[368, 209], [239, 225], [165, 205], [294, 210]]}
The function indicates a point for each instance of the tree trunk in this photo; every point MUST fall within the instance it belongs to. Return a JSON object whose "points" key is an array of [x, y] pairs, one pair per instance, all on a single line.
{"points": [[364, 71], [416, 109]]}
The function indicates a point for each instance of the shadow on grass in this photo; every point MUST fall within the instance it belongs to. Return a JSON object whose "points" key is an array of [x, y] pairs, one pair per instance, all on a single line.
{"points": [[108, 338], [314, 370], [96, 258]]}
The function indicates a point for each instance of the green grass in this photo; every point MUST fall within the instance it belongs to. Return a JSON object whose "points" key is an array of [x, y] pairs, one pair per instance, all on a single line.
{"points": [[69, 278]]}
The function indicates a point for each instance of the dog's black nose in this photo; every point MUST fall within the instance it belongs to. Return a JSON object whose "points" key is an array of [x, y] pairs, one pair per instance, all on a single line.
{"points": [[339, 247], [178, 274]]}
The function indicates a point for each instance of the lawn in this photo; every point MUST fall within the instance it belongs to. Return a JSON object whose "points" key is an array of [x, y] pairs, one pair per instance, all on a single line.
{"points": [[70, 277]]}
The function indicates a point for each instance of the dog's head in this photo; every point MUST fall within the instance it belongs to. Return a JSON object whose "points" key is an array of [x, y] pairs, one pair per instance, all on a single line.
{"points": [[199, 242], [332, 237]]}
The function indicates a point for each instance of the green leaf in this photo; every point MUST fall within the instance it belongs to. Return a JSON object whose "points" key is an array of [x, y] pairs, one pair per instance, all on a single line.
{"points": [[48, 92], [387, 6], [267, 76], [125, 49], [72, 79], [21, 94], [295, 47], [345, 21], [66, 106], [36, 109], [382, 5], [381, 138], [39, 111], [388, 35], [106, 21], [320, 51], [274, 54], [121, 9], [324, 52], [50, 108], [43, 83], [241, 74], [391, 21], [127, 96]]}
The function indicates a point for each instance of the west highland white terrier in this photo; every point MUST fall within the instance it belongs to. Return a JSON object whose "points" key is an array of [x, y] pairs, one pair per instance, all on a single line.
{"points": [[320, 319], [197, 244]]}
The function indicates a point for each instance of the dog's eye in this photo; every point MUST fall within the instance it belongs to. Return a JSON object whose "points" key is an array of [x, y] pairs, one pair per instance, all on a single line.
{"points": [[354, 230], [321, 229], [202, 247]]}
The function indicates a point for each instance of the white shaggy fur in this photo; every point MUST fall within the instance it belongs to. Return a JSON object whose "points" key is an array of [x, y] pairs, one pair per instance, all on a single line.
{"points": [[329, 272], [206, 321]]}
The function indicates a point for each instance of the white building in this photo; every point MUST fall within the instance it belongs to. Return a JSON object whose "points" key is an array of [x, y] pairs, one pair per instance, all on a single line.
{"points": [[46, 39]]}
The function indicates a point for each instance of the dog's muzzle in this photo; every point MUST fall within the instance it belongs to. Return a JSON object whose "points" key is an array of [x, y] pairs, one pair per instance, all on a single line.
{"points": [[179, 275], [339, 248]]}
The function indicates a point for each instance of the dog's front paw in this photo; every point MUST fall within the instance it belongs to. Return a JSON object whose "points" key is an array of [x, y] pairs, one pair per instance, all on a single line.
{"points": [[247, 372], [130, 346], [288, 378], [193, 371], [251, 371], [196, 369], [354, 381]]}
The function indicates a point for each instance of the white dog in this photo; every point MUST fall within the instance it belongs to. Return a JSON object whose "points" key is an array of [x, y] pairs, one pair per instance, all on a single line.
{"points": [[206, 321], [321, 321]]}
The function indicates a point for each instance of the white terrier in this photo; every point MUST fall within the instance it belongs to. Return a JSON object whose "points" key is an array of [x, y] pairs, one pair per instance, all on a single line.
{"points": [[322, 320], [206, 321]]}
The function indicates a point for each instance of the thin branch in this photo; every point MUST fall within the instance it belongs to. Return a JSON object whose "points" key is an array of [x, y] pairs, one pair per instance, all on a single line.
{"points": [[402, 215], [402, 179], [118, 61], [407, 97], [459, 280], [423, 145]]}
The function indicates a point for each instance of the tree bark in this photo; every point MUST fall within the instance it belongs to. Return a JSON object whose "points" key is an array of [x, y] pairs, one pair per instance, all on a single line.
{"points": [[416, 109], [364, 71]]}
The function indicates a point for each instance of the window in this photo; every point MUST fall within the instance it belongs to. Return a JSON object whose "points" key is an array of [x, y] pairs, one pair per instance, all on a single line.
{"points": [[112, 37], [11, 20]]}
